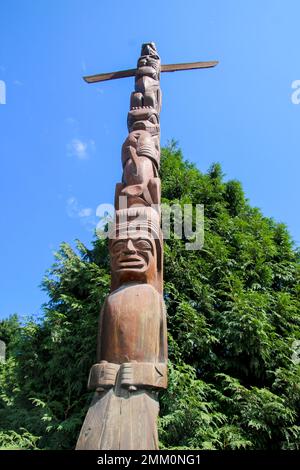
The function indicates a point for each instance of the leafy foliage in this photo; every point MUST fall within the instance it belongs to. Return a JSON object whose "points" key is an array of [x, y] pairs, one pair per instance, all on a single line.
{"points": [[233, 319]]}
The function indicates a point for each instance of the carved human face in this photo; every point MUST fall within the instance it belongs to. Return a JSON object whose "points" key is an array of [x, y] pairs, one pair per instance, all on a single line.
{"points": [[134, 258]]}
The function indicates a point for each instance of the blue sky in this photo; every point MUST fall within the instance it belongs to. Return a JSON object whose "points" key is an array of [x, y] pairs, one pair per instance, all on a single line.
{"points": [[61, 138]]}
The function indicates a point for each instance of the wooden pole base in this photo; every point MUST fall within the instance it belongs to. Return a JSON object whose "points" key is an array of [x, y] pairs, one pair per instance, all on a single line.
{"points": [[126, 422]]}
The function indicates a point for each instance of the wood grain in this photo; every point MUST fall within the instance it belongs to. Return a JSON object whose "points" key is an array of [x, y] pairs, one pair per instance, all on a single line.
{"points": [[102, 77]]}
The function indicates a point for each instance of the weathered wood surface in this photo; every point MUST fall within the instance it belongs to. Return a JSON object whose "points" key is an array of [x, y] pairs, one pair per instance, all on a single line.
{"points": [[120, 422], [131, 362]]}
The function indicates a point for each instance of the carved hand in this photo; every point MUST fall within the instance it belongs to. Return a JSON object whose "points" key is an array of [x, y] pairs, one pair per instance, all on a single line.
{"points": [[103, 375], [127, 376], [135, 375]]}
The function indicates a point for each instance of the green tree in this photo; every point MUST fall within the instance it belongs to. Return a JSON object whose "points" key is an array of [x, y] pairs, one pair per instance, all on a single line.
{"points": [[233, 321], [10, 332]]}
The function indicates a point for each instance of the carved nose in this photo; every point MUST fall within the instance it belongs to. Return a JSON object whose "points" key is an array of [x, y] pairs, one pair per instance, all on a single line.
{"points": [[130, 247]]}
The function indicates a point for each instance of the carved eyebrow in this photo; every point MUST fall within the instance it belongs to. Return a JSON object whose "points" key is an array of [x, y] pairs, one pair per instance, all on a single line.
{"points": [[148, 242], [118, 242], [121, 241]]}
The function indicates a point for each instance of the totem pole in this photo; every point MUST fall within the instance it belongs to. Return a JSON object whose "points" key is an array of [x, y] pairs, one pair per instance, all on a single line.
{"points": [[132, 339], [131, 363]]}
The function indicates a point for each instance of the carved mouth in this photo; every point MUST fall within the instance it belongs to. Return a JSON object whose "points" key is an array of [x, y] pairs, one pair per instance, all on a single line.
{"points": [[143, 125], [131, 263], [127, 266]]}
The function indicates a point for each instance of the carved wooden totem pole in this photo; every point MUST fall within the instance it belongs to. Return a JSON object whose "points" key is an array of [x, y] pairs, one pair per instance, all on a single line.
{"points": [[131, 363], [132, 339]]}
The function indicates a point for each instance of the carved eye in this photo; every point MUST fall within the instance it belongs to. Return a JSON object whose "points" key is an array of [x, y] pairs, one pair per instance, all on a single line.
{"points": [[118, 246], [153, 119], [143, 245]]}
